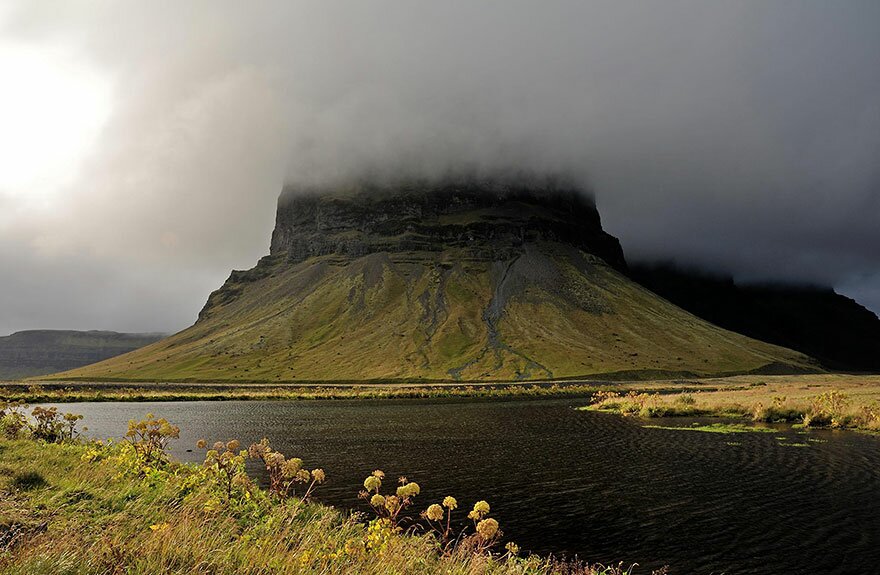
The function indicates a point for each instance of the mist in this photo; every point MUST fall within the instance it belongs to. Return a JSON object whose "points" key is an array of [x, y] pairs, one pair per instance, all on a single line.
{"points": [[739, 137]]}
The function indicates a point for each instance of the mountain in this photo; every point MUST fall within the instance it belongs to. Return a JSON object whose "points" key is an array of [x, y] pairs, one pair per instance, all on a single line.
{"points": [[830, 327], [440, 281], [40, 352]]}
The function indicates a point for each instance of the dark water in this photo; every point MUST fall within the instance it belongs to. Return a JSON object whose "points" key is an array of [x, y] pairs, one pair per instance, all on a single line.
{"points": [[579, 483]]}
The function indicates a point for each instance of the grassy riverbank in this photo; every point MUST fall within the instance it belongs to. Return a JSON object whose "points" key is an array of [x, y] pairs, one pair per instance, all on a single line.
{"points": [[733, 395], [88, 508], [835, 401], [75, 392]]}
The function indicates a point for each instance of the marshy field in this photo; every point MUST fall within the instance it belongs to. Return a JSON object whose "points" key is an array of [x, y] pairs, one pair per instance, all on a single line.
{"points": [[747, 474]]}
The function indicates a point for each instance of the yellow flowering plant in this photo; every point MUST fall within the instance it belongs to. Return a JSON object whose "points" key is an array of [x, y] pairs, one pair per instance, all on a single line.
{"points": [[150, 437], [285, 473], [388, 506], [486, 529], [13, 422], [51, 426], [226, 463]]}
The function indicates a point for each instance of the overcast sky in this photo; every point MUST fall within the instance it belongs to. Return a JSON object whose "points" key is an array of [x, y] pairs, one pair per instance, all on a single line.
{"points": [[143, 145]]}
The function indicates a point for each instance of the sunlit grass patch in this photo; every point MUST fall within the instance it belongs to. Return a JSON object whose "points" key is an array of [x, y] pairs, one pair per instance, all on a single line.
{"points": [[716, 428], [805, 409]]}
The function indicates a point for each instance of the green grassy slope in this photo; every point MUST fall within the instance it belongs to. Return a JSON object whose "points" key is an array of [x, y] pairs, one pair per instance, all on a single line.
{"points": [[550, 312]]}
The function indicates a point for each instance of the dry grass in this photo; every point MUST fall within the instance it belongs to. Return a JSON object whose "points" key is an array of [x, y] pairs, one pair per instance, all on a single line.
{"points": [[827, 400], [74, 392]]}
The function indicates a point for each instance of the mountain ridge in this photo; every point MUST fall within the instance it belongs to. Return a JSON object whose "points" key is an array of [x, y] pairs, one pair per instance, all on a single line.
{"points": [[37, 352], [815, 320]]}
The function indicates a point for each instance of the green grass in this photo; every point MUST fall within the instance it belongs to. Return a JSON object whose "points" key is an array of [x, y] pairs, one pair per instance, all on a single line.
{"points": [[409, 316], [717, 428], [77, 509]]}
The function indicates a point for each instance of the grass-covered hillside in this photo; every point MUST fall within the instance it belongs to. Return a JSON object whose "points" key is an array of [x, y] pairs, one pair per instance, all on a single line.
{"points": [[458, 281], [549, 311]]}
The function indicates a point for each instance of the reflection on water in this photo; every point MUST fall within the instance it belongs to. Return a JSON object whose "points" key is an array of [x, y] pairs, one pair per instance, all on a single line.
{"points": [[578, 483]]}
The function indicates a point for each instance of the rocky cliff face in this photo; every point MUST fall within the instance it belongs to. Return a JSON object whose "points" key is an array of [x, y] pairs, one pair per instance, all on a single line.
{"points": [[491, 221]]}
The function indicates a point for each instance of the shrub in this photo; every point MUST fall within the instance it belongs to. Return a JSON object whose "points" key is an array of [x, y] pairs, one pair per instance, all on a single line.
{"points": [[51, 426], [827, 409], [686, 399], [13, 422]]}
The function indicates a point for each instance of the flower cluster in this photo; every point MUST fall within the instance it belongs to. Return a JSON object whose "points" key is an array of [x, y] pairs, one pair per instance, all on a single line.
{"points": [[226, 463], [438, 516], [51, 426], [285, 473], [389, 506], [486, 531], [150, 437]]}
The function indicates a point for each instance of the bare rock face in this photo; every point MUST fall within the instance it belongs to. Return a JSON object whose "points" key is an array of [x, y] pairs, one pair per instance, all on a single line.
{"points": [[492, 221]]}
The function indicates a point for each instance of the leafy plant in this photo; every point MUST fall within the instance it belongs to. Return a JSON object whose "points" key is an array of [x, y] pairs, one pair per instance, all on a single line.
{"points": [[486, 530], [12, 419], [388, 506]]}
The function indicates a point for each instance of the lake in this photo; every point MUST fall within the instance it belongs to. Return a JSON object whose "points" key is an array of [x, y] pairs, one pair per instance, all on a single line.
{"points": [[568, 482]]}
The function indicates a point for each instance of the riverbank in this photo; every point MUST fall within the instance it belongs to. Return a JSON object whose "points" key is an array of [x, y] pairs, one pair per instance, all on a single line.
{"points": [[739, 394], [826, 401], [108, 391], [89, 508]]}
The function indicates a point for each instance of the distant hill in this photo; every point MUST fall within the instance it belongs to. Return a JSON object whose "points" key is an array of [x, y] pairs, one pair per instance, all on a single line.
{"points": [[830, 327], [40, 352], [456, 281]]}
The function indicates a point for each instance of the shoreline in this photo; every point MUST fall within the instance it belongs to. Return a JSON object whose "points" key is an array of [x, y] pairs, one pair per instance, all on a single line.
{"points": [[91, 506], [739, 391], [842, 402]]}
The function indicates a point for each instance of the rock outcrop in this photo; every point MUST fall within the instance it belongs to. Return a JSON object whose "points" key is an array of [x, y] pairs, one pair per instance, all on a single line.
{"points": [[490, 221]]}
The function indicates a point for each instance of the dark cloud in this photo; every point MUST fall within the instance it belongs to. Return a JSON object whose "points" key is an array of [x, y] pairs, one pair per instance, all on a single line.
{"points": [[740, 136]]}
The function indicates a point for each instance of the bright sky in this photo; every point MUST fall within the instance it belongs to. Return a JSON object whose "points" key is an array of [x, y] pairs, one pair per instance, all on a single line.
{"points": [[52, 109]]}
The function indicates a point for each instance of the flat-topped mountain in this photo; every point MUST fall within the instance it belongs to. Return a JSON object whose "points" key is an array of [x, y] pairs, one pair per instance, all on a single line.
{"points": [[453, 281], [39, 352]]}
